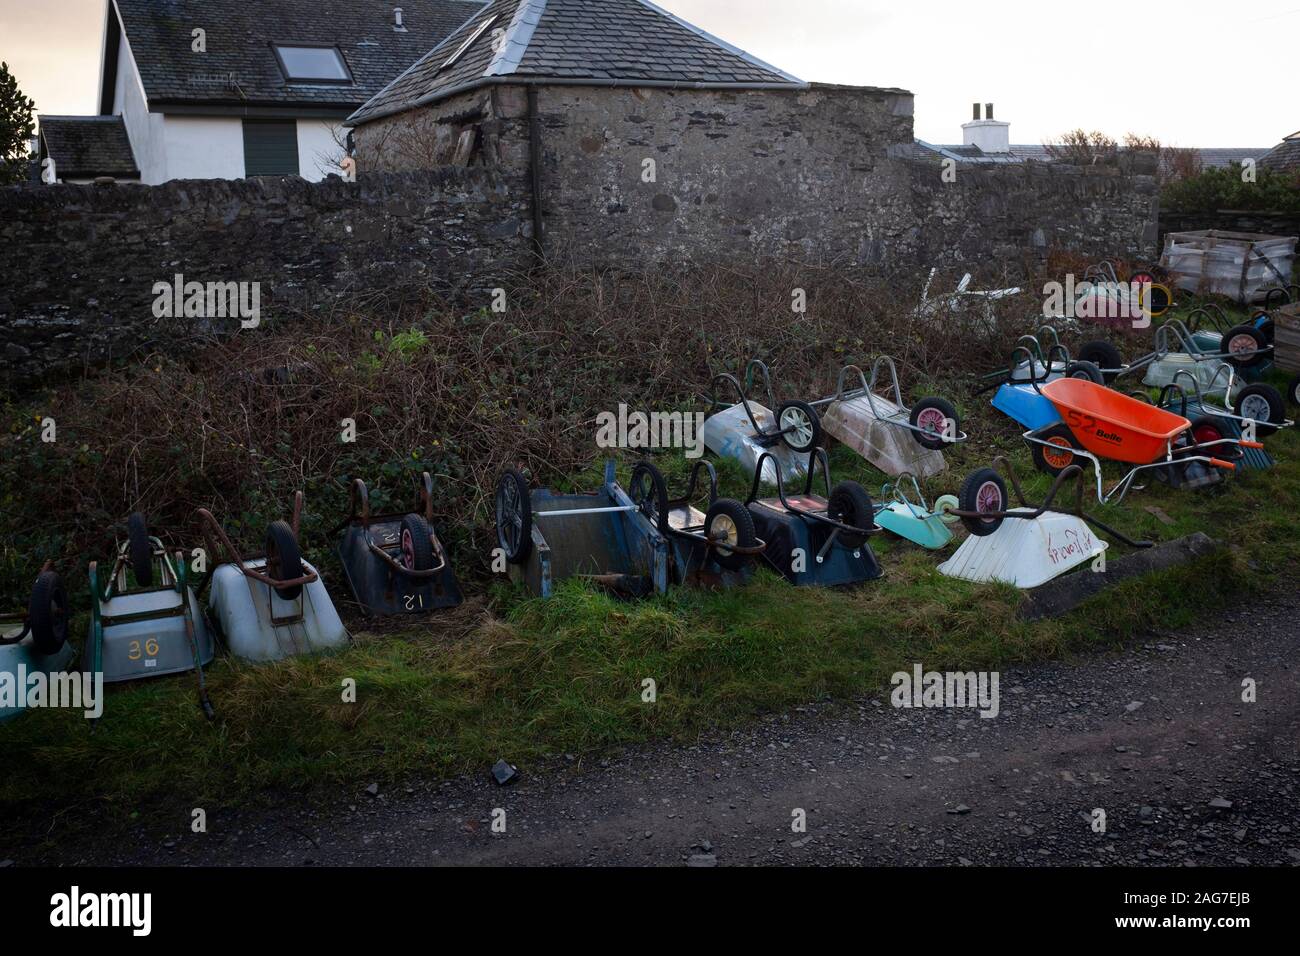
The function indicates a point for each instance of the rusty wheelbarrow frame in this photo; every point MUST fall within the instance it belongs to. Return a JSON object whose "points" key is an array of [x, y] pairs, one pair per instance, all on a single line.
{"points": [[407, 570]]}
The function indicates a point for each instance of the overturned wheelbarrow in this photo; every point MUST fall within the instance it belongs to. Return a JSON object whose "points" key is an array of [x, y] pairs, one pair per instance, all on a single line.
{"points": [[395, 563], [749, 431], [145, 617], [814, 540], [882, 429], [713, 548], [603, 537], [1023, 545], [272, 606], [903, 511], [35, 640]]}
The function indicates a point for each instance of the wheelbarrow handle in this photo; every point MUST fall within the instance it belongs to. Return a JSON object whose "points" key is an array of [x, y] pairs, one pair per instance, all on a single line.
{"points": [[393, 564], [211, 526]]}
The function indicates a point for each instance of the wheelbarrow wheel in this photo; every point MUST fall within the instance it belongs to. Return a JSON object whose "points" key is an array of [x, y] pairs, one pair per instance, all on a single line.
{"points": [[1240, 341], [1293, 390], [982, 491], [932, 416], [1103, 355], [283, 559], [1059, 456], [1208, 429], [47, 614], [416, 543], [850, 504], [649, 492], [1085, 370], [800, 427], [1264, 404], [727, 525], [514, 516], [139, 550]]}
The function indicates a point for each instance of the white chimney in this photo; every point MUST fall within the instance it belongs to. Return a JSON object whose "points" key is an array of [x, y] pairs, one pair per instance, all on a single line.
{"points": [[990, 135], [398, 26]]}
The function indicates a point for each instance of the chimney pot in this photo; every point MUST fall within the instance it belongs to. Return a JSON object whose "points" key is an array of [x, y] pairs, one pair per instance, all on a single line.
{"points": [[975, 111], [988, 110]]}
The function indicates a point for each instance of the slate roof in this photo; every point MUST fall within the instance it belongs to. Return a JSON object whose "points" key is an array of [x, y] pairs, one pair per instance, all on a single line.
{"points": [[1284, 156], [84, 147], [240, 34], [575, 42]]}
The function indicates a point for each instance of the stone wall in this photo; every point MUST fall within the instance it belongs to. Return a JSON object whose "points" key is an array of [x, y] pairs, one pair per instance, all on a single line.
{"points": [[632, 176], [77, 287]]}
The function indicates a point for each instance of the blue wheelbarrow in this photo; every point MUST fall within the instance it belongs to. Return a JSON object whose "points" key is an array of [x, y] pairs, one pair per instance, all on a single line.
{"points": [[712, 548], [145, 619], [903, 511], [604, 538], [35, 640], [1212, 423], [814, 540], [395, 563]]}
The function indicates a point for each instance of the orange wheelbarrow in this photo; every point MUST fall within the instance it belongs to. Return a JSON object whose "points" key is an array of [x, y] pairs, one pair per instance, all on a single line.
{"points": [[1100, 423]]}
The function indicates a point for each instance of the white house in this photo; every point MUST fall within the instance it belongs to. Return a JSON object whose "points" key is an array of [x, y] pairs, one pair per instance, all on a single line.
{"points": [[223, 89]]}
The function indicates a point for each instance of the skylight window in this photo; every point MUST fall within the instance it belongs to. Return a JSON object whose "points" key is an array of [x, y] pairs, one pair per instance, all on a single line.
{"points": [[315, 64], [469, 42]]}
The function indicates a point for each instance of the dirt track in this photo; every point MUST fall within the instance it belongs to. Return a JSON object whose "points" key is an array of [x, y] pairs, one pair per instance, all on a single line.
{"points": [[1151, 736]]}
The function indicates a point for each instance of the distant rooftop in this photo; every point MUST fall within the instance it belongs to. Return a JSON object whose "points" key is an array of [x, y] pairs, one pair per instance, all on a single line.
{"points": [[1211, 157], [86, 147]]}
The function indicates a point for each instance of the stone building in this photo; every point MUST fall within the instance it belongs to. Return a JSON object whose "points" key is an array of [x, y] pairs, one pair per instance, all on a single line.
{"points": [[639, 137]]}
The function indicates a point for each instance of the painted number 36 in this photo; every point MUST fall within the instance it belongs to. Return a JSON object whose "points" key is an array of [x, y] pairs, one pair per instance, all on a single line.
{"points": [[137, 650]]}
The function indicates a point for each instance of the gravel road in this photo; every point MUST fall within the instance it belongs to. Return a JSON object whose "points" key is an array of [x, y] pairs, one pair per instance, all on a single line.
{"points": [[1158, 737]]}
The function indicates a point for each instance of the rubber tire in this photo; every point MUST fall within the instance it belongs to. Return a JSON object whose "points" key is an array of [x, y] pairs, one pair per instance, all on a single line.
{"points": [[420, 555], [812, 416], [1276, 406], [1226, 452], [1260, 343], [850, 504], [525, 544], [1103, 355], [658, 487], [139, 550], [746, 536], [49, 627], [283, 559], [968, 500], [1293, 390], [950, 413], [1082, 369], [1036, 450]]}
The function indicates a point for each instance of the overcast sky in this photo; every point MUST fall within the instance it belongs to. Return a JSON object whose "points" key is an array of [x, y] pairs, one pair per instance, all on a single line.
{"points": [[1192, 73]]}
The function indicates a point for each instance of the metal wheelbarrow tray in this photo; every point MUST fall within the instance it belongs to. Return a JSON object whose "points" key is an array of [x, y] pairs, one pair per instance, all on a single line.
{"points": [[603, 537], [395, 563], [713, 548], [906, 514], [274, 606], [35, 640], [883, 430], [145, 617], [814, 540], [1023, 546], [748, 431], [1100, 423]]}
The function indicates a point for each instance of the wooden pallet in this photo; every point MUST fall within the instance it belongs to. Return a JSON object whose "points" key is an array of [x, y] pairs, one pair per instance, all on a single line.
{"points": [[1286, 337]]}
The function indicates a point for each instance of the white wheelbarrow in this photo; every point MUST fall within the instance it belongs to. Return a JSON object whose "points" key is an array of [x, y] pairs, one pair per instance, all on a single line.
{"points": [[748, 431], [271, 607]]}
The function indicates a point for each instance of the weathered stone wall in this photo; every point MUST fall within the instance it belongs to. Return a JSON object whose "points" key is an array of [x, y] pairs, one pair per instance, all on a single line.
{"points": [[77, 283], [639, 175]]}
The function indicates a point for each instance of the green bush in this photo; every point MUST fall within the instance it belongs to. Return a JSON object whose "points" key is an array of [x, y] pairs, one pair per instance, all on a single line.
{"points": [[1224, 188]]}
